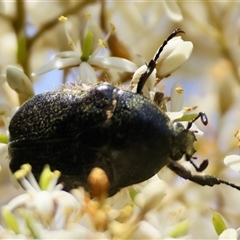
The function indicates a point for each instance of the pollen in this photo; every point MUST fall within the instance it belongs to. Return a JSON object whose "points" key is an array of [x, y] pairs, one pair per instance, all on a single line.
{"points": [[20, 174], [2, 113], [87, 15], [71, 44], [179, 90], [27, 167], [187, 109], [63, 19], [98, 182], [237, 135], [102, 43], [113, 27], [56, 174]]}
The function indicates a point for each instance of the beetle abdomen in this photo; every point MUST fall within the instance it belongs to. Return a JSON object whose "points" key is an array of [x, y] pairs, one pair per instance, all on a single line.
{"points": [[121, 132]]}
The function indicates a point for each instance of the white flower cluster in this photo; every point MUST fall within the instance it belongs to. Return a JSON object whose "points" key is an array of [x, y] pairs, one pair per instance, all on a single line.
{"points": [[86, 57], [45, 211]]}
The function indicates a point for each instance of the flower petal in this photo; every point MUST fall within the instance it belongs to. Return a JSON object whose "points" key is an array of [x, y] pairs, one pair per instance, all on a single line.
{"points": [[177, 98], [173, 57], [65, 54], [172, 10], [171, 46], [5, 113], [228, 234], [119, 64], [174, 115], [151, 81], [19, 82], [86, 74], [20, 200], [148, 231], [5, 110], [57, 64], [233, 162], [151, 195]]}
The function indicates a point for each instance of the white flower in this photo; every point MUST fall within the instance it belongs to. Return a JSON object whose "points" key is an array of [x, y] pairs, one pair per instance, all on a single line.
{"points": [[85, 57], [229, 233], [177, 97], [175, 53], [233, 162], [172, 10], [151, 195], [6, 113], [148, 86], [51, 206], [19, 82]]}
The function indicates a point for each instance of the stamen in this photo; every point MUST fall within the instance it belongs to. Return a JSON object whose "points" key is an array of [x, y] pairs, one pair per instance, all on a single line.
{"points": [[87, 15], [30, 177], [64, 20], [20, 176], [53, 181], [102, 42]]}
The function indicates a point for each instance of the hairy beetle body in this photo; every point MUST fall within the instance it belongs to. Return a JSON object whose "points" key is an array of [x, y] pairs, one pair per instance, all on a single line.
{"points": [[123, 133]]}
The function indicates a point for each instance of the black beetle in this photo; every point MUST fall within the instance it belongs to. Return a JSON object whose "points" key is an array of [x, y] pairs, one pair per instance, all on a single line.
{"points": [[124, 133]]}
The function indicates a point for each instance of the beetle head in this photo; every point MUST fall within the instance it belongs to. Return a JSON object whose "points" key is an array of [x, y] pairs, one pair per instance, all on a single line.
{"points": [[183, 142]]}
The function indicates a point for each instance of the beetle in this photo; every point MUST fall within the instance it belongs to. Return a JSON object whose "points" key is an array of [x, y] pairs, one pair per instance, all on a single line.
{"points": [[124, 133]]}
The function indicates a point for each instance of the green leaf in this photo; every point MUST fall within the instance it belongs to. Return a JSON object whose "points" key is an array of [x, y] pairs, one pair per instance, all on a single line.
{"points": [[218, 222]]}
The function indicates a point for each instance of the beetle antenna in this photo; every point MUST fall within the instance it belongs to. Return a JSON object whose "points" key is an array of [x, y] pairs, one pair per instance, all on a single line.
{"points": [[152, 64], [201, 115], [200, 179]]}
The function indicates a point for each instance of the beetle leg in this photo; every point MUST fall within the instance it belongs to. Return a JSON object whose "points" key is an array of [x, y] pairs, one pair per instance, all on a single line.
{"points": [[201, 115], [152, 64], [203, 180]]}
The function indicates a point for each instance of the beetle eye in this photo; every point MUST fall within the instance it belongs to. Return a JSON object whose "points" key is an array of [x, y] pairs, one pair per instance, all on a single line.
{"points": [[178, 127]]}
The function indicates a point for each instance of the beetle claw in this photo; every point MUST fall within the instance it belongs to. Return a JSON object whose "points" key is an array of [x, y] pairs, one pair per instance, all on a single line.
{"points": [[202, 166]]}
